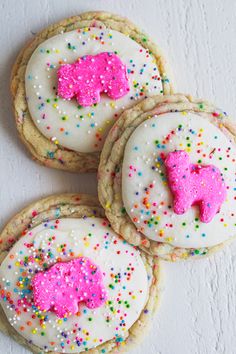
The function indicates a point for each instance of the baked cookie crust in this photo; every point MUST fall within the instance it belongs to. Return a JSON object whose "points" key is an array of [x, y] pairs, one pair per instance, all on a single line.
{"points": [[110, 169], [42, 149], [74, 206]]}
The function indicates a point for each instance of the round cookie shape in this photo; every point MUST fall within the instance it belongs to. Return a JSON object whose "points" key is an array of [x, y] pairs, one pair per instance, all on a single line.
{"points": [[59, 132], [145, 189], [122, 267], [136, 187], [124, 279]]}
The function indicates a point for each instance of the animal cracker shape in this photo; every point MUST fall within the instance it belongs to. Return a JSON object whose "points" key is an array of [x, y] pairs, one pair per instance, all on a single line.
{"points": [[193, 184], [91, 75], [65, 284]]}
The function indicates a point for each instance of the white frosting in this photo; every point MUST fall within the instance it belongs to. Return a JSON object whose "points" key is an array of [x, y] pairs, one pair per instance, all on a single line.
{"points": [[125, 280], [142, 167], [84, 129]]}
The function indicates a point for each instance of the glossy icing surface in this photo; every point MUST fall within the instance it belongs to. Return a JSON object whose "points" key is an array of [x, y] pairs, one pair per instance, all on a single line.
{"points": [[124, 278], [146, 195], [65, 122]]}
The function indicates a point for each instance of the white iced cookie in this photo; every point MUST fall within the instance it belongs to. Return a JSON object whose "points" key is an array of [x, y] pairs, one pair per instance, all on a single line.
{"points": [[58, 131], [145, 189], [124, 278], [167, 177], [78, 128]]}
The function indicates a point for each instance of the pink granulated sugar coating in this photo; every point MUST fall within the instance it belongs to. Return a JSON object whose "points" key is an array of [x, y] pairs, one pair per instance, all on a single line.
{"points": [[194, 185], [61, 288], [91, 75]]}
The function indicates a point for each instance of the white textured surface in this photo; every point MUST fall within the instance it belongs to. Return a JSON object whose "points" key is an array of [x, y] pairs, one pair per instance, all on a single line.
{"points": [[198, 308]]}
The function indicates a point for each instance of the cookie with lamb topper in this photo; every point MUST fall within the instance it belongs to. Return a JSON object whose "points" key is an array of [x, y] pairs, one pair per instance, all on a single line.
{"points": [[169, 185]]}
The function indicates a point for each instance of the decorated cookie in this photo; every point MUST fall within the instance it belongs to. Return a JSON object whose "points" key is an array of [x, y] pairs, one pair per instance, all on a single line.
{"points": [[167, 177], [69, 283], [71, 83]]}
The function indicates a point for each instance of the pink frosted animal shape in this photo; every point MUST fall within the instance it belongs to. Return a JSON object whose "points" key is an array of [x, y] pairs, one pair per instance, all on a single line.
{"points": [[91, 75], [62, 287], [194, 185]]}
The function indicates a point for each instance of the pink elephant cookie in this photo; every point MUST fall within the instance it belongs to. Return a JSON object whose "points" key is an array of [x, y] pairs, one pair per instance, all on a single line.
{"points": [[64, 285], [91, 75], [194, 185]]}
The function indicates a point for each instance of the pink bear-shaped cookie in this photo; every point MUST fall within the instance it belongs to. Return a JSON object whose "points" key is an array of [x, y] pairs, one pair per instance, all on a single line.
{"points": [[193, 184], [65, 284], [91, 75]]}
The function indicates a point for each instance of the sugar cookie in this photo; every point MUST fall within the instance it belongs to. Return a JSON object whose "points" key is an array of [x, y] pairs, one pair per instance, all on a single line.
{"points": [[69, 284], [167, 177], [89, 53]]}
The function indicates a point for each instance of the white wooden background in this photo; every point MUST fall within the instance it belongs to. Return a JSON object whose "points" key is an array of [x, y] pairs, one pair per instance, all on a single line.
{"points": [[198, 308]]}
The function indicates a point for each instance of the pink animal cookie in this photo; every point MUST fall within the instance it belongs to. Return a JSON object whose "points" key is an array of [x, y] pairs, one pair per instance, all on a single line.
{"points": [[194, 185], [64, 285], [91, 75]]}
